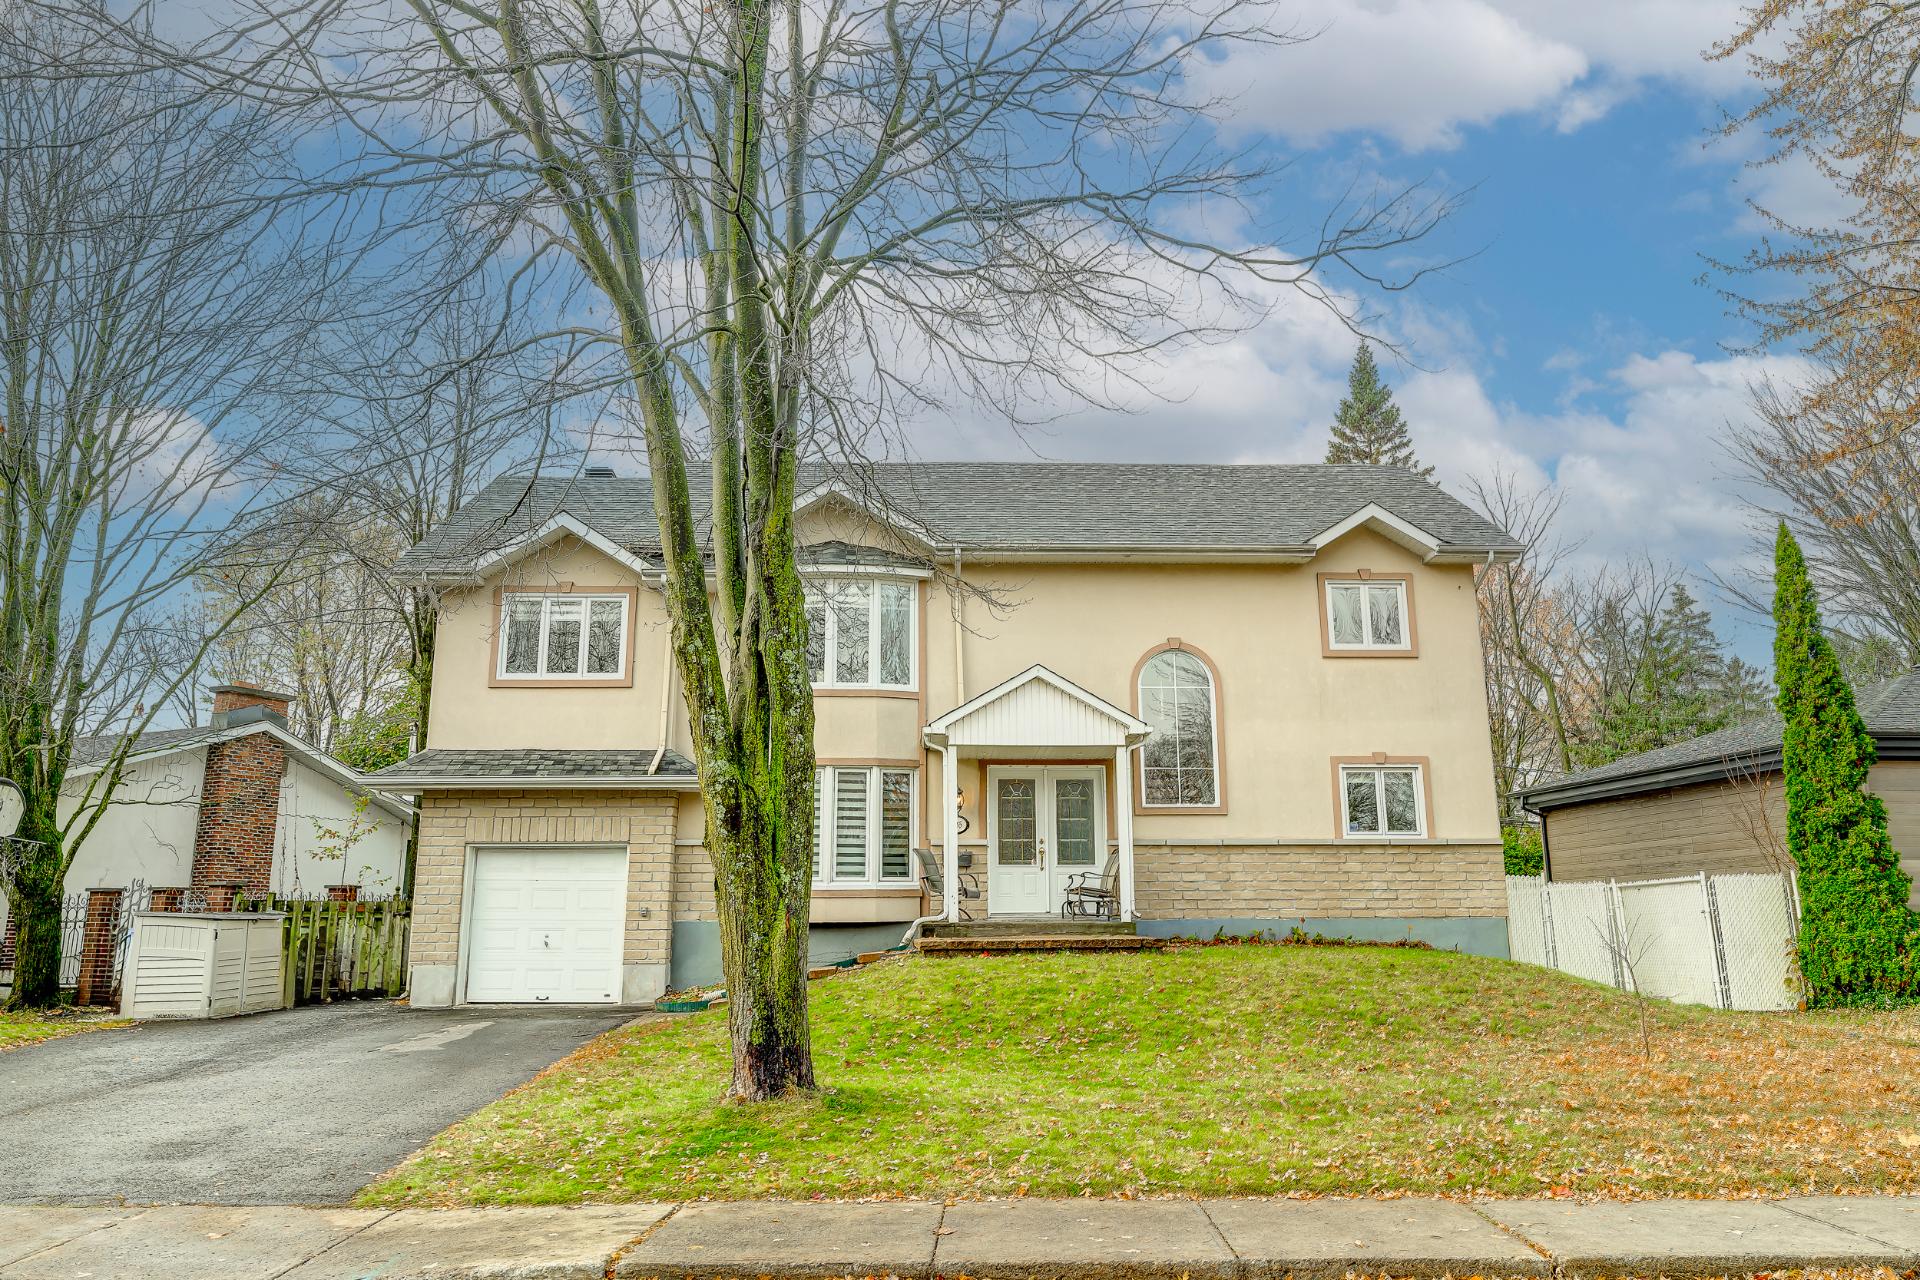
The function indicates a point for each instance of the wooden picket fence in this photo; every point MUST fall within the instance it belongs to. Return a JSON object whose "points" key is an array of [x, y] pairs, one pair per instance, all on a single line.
{"points": [[336, 950]]}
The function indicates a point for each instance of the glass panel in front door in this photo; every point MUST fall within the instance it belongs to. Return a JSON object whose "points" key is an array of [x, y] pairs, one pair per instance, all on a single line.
{"points": [[1073, 821], [1017, 821]]}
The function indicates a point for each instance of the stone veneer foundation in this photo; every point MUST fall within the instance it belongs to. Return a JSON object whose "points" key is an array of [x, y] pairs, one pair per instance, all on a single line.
{"points": [[1447, 894]]}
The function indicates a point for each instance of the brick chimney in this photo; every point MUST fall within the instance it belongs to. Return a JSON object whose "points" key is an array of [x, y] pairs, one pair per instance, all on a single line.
{"points": [[238, 696], [240, 795]]}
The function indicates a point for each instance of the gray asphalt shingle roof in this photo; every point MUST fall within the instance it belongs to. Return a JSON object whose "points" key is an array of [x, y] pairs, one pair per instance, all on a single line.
{"points": [[94, 750], [533, 762], [1891, 709], [1005, 506]]}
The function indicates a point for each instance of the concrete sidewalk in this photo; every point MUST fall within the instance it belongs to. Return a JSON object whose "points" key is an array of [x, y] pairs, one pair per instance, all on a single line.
{"points": [[1006, 1239]]}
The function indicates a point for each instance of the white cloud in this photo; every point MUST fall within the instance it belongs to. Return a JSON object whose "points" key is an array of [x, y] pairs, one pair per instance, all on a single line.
{"points": [[1422, 71], [1414, 70]]}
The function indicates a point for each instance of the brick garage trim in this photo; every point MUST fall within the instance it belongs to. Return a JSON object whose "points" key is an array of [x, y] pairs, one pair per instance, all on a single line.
{"points": [[452, 823]]}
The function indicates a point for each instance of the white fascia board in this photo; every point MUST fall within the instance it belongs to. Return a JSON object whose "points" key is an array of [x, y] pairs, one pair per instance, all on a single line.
{"points": [[560, 525], [1467, 555], [898, 521], [1384, 522], [1132, 723]]}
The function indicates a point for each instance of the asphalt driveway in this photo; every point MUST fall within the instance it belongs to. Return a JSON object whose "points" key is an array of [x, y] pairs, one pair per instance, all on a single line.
{"points": [[303, 1106]]}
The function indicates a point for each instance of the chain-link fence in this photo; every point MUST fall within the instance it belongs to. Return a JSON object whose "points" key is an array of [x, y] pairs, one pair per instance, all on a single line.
{"points": [[1720, 940]]}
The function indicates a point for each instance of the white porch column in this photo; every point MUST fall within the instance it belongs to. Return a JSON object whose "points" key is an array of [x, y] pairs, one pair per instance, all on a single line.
{"points": [[1123, 818], [950, 832]]}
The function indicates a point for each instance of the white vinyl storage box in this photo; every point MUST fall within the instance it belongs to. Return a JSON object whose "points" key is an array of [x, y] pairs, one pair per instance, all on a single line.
{"points": [[203, 964]]}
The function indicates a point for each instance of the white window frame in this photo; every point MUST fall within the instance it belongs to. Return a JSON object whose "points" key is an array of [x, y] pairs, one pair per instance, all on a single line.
{"points": [[1380, 801], [816, 595], [825, 869], [1368, 644], [1213, 725], [546, 599]]}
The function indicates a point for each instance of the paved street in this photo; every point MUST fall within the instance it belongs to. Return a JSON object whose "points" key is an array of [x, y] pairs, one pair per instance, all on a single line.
{"points": [[1071, 1239], [302, 1106]]}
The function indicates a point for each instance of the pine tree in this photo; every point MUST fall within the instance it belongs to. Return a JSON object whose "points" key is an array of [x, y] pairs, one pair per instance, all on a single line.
{"points": [[1368, 426], [1859, 942], [1680, 686]]}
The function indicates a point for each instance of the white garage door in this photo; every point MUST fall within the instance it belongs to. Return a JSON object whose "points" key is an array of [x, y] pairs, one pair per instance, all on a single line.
{"points": [[546, 925]]}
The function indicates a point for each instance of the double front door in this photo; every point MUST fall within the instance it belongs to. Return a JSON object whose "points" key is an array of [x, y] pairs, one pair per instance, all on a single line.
{"points": [[1045, 824]]}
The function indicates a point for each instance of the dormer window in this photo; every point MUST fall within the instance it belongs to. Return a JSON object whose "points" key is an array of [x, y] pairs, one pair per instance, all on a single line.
{"points": [[861, 633], [572, 637]]}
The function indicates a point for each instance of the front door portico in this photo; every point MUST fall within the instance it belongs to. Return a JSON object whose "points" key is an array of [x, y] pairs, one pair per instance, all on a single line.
{"points": [[1045, 822], [1045, 825]]}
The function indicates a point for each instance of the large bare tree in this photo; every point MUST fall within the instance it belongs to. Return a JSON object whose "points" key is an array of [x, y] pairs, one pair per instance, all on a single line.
{"points": [[148, 295], [1838, 81], [784, 220]]}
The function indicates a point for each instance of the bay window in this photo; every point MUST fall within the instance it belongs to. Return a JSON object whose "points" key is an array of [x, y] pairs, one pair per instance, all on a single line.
{"points": [[862, 826], [860, 633]]}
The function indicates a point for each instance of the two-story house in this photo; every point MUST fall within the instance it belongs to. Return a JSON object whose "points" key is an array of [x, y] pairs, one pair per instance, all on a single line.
{"points": [[1256, 689]]}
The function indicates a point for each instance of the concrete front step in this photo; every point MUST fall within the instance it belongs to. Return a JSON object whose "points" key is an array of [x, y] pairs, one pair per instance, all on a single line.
{"points": [[1027, 928], [1039, 942]]}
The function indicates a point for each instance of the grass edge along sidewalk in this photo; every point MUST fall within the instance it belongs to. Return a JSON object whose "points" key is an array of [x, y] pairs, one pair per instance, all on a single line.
{"points": [[1211, 1071], [1070, 1239]]}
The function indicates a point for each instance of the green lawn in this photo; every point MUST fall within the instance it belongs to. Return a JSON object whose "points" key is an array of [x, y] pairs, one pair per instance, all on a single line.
{"points": [[17, 1029], [1212, 1071]]}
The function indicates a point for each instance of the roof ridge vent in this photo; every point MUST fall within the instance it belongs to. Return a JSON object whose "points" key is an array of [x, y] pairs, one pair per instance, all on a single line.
{"points": [[600, 473]]}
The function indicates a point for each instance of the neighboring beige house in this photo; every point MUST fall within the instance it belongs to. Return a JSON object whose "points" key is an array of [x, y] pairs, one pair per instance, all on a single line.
{"points": [[1715, 803], [1258, 689]]}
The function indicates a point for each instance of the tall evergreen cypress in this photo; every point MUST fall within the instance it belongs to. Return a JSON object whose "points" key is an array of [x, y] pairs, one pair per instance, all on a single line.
{"points": [[1859, 942], [1368, 426]]}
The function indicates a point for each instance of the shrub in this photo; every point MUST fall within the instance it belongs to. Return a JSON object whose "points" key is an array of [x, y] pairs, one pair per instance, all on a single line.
{"points": [[1526, 854]]}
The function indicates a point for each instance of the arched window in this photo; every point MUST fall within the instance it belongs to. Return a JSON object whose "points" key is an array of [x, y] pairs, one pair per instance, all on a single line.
{"points": [[1180, 763]]}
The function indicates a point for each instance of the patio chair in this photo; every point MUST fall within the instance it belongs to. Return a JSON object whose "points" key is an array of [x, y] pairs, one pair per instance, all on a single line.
{"points": [[1094, 895], [933, 880]]}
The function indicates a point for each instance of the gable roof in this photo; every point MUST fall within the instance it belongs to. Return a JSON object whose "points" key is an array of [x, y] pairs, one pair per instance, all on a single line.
{"points": [[1011, 510], [90, 754], [1039, 707], [1891, 709]]}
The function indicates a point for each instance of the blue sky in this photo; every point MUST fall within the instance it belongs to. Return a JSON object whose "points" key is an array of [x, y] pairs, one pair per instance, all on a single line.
{"points": [[1578, 346]]}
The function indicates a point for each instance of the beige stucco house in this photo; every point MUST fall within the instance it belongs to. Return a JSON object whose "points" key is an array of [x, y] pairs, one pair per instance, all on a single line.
{"points": [[1257, 689], [1716, 803]]}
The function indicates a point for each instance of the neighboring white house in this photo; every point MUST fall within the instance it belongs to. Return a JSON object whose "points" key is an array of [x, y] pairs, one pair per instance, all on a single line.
{"points": [[238, 802]]}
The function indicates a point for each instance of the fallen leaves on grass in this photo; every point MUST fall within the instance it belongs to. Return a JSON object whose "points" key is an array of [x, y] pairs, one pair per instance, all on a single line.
{"points": [[1213, 1071]]}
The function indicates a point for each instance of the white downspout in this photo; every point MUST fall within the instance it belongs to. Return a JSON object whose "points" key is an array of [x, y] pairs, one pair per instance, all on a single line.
{"points": [[959, 628], [666, 699], [949, 855]]}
